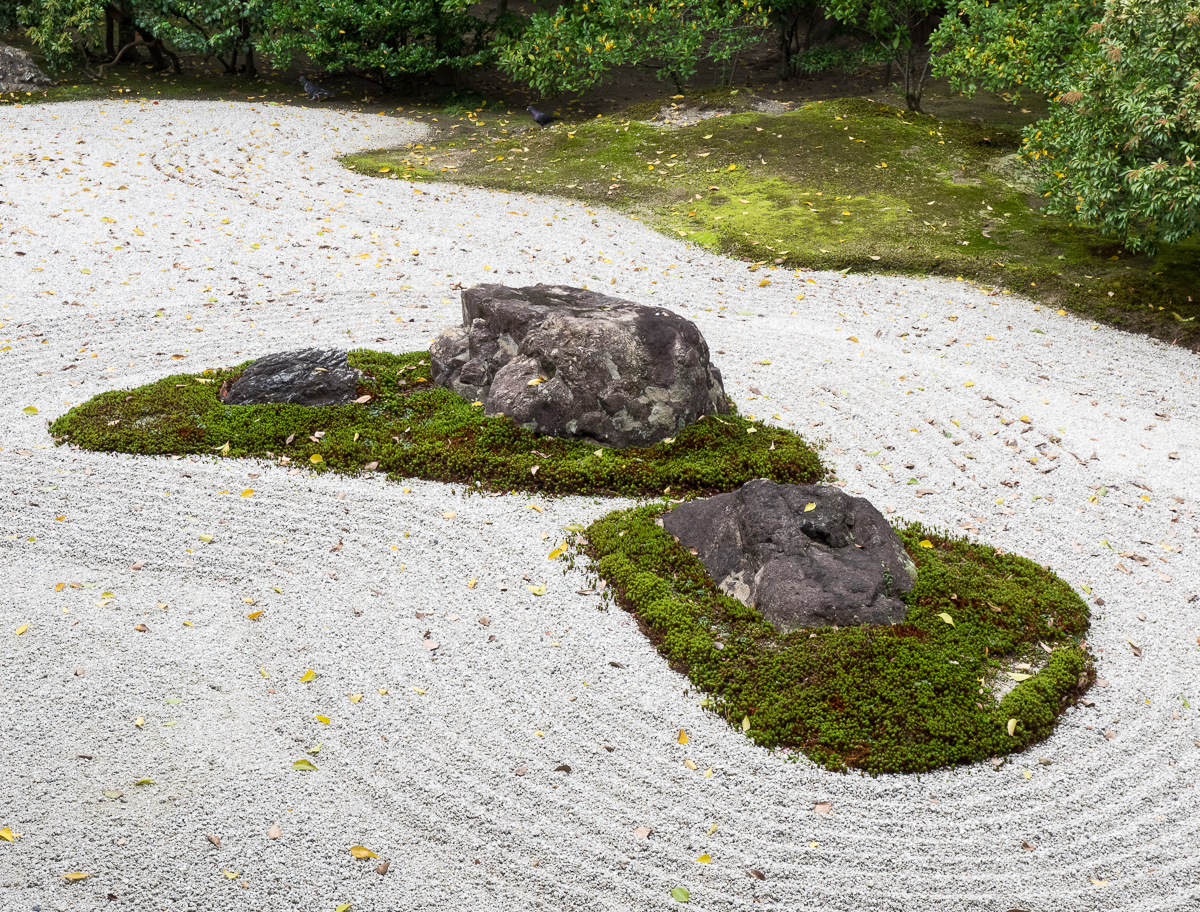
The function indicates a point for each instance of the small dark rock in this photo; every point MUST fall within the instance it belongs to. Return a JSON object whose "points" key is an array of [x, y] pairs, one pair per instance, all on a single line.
{"points": [[312, 376], [836, 562], [568, 362]]}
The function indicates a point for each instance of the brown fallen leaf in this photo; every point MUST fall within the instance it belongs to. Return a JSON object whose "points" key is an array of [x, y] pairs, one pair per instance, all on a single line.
{"points": [[1109, 735], [141, 628], [138, 566], [642, 832], [1137, 650], [214, 839], [383, 868], [1027, 846], [823, 807], [337, 547], [1102, 682], [520, 771], [757, 874], [274, 832], [485, 621], [562, 768]]}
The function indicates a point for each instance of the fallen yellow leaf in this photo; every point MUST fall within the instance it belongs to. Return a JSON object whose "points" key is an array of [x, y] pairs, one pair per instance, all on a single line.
{"points": [[809, 507], [309, 675], [76, 875], [315, 458], [324, 720], [354, 698], [690, 764], [705, 858], [7, 834], [362, 852], [255, 615], [20, 630], [683, 736], [249, 492]]}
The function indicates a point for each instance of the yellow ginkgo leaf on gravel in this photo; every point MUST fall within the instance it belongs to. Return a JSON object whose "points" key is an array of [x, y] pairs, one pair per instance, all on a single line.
{"points": [[249, 492], [304, 766], [232, 875], [690, 763], [343, 907], [537, 590], [555, 554], [705, 858], [354, 698], [254, 615], [683, 737], [362, 852], [309, 675], [76, 875], [30, 410], [204, 537], [324, 720], [145, 781], [20, 630], [8, 835]]}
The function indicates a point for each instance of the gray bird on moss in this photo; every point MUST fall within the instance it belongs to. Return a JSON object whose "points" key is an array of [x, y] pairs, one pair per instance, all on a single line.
{"points": [[315, 92], [541, 118]]}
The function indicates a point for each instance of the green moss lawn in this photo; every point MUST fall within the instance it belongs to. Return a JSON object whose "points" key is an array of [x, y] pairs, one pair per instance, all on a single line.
{"points": [[410, 430], [842, 184], [987, 659]]}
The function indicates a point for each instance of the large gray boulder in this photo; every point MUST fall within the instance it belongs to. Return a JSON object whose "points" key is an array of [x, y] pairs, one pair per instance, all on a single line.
{"points": [[18, 72], [568, 362], [803, 555], [311, 376]]}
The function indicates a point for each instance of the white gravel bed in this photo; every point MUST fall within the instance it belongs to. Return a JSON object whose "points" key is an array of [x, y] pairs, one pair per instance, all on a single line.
{"points": [[108, 273]]}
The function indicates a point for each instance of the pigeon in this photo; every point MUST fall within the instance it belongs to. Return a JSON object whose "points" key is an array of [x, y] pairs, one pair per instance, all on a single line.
{"points": [[315, 92], [541, 118]]}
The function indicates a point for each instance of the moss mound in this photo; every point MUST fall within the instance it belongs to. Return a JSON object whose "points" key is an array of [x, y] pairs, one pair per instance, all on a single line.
{"points": [[410, 429], [905, 698]]}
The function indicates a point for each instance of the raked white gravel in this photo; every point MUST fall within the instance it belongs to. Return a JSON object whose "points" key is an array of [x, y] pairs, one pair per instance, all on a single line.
{"points": [[135, 232]]}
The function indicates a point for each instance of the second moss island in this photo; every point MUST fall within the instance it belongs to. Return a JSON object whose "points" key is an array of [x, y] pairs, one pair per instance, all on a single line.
{"points": [[988, 656]]}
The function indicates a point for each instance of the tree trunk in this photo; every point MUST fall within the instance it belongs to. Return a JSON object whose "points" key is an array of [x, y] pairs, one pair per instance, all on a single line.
{"points": [[248, 50], [109, 37]]}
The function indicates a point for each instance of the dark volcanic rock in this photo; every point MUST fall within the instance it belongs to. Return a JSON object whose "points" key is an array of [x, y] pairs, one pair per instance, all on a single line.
{"points": [[837, 563], [312, 376], [18, 72], [569, 362]]}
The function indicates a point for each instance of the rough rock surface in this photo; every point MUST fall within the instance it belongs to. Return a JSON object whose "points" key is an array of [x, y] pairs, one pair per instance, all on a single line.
{"points": [[565, 361], [839, 562], [312, 376], [18, 73]]}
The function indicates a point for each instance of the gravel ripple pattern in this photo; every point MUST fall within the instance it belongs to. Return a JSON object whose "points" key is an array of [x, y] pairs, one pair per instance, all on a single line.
{"points": [[139, 239]]}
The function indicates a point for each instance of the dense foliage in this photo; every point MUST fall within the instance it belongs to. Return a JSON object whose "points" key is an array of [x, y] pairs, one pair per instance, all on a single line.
{"points": [[574, 48], [409, 430], [382, 40], [1120, 146], [912, 697]]}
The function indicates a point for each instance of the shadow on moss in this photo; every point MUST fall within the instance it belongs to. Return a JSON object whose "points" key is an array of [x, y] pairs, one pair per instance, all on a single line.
{"points": [[915, 696], [409, 429]]}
